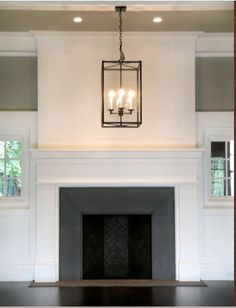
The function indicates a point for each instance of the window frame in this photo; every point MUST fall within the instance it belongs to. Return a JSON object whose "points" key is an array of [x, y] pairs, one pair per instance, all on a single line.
{"points": [[22, 135], [212, 135]]}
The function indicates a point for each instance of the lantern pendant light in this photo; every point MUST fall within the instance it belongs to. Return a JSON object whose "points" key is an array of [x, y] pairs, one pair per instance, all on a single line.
{"points": [[121, 88]]}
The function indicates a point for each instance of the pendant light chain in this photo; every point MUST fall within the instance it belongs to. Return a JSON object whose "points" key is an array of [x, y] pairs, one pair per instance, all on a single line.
{"points": [[121, 86], [122, 55]]}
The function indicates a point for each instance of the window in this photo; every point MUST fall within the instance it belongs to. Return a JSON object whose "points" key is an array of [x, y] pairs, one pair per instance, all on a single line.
{"points": [[222, 168], [218, 167], [14, 167], [10, 168]]}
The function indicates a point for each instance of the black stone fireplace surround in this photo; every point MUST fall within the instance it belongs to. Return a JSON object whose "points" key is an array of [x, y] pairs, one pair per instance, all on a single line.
{"points": [[82, 208]]}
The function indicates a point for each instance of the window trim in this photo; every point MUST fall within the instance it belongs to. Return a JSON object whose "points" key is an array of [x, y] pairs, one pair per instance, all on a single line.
{"points": [[22, 135], [225, 134]]}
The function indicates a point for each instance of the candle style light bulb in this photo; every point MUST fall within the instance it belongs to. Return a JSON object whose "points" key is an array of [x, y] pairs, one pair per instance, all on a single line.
{"points": [[121, 94], [111, 95], [131, 95]]}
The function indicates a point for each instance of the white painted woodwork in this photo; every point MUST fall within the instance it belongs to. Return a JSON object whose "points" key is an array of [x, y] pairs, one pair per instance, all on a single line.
{"points": [[216, 225], [17, 218], [166, 167]]}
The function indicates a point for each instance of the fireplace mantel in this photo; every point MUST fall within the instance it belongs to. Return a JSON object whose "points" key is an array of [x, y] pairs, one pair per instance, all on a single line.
{"points": [[100, 167], [118, 157], [99, 151]]}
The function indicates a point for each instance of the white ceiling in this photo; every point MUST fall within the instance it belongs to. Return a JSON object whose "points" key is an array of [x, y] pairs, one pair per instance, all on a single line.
{"points": [[90, 5], [204, 16]]}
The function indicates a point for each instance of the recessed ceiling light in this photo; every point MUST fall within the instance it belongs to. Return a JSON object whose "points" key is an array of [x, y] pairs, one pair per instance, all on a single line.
{"points": [[77, 19], [157, 19]]}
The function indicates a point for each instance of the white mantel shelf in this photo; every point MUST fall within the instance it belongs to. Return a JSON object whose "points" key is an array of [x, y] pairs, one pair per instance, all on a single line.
{"points": [[97, 182], [117, 152]]}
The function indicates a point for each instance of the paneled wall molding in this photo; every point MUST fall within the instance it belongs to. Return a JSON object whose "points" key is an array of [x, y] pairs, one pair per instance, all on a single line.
{"points": [[16, 238], [17, 224], [216, 242]]}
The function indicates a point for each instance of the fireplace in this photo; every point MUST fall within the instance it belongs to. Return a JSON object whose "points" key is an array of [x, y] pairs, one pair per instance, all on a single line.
{"points": [[117, 232], [64, 176]]}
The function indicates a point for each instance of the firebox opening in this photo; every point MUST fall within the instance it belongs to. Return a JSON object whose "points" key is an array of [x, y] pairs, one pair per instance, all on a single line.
{"points": [[117, 247]]}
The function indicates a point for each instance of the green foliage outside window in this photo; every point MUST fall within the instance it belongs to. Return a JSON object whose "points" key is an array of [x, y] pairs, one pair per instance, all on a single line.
{"points": [[222, 168], [218, 174], [10, 168]]}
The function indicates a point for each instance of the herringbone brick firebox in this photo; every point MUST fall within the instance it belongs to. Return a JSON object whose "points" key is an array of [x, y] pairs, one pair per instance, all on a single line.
{"points": [[117, 246]]}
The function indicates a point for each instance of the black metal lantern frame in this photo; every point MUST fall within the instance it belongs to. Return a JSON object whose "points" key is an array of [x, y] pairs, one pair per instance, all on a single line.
{"points": [[124, 114], [121, 90]]}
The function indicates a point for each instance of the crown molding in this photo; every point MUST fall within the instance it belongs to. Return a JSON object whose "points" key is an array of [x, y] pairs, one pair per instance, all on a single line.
{"points": [[215, 45], [24, 43], [17, 44]]}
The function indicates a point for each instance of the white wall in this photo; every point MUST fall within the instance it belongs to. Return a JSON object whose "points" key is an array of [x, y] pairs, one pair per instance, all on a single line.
{"points": [[17, 223], [216, 220], [69, 88]]}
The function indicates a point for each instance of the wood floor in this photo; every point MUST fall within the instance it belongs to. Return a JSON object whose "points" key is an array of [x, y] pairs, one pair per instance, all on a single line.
{"points": [[217, 293]]}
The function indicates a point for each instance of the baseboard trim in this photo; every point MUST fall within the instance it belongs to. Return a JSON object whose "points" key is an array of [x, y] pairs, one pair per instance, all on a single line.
{"points": [[217, 271], [16, 272]]}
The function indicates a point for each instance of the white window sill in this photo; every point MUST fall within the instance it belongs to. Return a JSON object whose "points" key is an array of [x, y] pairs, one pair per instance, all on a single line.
{"points": [[220, 202]]}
